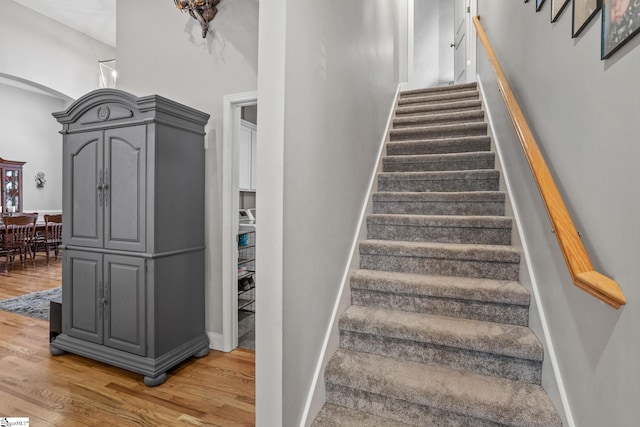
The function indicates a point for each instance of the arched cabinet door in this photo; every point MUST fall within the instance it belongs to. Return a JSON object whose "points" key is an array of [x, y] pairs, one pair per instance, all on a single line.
{"points": [[125, 187], [83, 176], [106, 174]]}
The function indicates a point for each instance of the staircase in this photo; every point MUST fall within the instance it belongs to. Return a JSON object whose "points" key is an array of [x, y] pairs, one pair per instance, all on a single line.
{"points": [[437, 331]]}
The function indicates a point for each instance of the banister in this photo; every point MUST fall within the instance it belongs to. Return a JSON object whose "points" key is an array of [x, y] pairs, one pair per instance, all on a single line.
{"points": [[574, 252]]}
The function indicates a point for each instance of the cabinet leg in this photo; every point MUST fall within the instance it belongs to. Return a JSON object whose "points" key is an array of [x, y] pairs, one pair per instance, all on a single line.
{"points": [[153, 382], [56, 351], [202, 353]]}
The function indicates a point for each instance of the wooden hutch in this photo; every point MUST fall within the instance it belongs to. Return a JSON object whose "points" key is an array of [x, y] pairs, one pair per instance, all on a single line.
{"points": [[11, 184]]}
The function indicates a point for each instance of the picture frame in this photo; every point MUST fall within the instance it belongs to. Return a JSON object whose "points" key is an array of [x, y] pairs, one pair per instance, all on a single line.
{"points": [[539, 5], [557, 7], [620, 23], [583, 12]]}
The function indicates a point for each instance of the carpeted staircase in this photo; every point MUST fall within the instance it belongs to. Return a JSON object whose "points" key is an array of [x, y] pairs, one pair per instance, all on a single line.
{"points": [[437, 331]]}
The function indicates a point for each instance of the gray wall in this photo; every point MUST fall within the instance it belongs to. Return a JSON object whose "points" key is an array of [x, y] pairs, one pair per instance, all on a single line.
{"points": [[584, 113], [164, 53], [45, 52], [328, 75], [30, 134]]}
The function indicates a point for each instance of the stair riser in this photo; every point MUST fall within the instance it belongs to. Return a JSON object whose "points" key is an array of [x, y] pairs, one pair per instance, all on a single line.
{"points": [[438, 98], [482, 363], [432, 185], [438, 119], [437, 132], [396, 165], [465, 309], [460, 145], [400, 410], [445, 107], [453, 234], [439, 90], [439, 208], [444, 267]]}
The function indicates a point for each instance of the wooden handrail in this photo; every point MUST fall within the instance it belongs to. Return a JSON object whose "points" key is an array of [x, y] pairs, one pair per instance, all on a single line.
{"points": [[575, 255]]}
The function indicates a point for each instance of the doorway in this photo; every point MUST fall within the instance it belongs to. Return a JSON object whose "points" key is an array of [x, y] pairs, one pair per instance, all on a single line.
{"points": [[441, 42], [233, 106]]}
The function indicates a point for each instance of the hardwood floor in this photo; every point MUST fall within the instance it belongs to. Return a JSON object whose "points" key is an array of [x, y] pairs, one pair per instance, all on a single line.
{"points": [[25, 279], [69, 390]]}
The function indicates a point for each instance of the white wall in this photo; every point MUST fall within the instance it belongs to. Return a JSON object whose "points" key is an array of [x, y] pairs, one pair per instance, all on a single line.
{"points": [[584, 113], [39, 56], [328, 75], [30, 134], [47, 53], [161, 51], [426, 43], [433, 35]]}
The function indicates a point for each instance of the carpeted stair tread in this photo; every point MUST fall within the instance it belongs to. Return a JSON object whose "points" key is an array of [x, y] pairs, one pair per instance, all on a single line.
{"points": [[439, 162], [440, 181], [438, 119], [489, 230], [462, 288], [454, 259], [459, 221], [470, 104], [487, 337], [439, 203], [339, 416], [497, 253], [460, 144], [438, 90], [489, 300], [496, 400], [438, 131], [430, 98]]}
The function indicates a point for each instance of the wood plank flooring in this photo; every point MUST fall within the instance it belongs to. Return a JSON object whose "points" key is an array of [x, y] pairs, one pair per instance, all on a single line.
{"points": [[21, 280], [69, 390]]}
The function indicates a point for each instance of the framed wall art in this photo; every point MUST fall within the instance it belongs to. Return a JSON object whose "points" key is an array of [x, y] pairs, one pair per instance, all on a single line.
{"points": [[557, 6], [583, 12], [539, 5], [620, 22]]}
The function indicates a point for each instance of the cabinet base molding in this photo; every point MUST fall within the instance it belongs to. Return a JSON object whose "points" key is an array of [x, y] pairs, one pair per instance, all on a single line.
{"points": [[154, 369]]}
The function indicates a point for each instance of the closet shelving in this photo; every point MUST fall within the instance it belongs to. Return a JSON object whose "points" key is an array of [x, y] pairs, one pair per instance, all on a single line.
{"points": [[246, 270]]}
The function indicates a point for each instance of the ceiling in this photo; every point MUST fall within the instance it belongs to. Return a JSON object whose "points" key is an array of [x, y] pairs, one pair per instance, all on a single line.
{"points": [[96, 18]]}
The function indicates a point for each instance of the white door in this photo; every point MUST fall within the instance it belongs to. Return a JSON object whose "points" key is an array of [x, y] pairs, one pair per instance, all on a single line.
{"points": [[461, 23]]}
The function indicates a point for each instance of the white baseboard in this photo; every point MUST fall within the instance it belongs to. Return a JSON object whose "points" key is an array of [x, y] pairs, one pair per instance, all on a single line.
{"points": [[216, 341]]}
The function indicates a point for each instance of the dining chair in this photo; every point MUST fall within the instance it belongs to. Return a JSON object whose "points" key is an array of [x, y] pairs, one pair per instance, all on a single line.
{"points": [[17, 238], [52, 238]]}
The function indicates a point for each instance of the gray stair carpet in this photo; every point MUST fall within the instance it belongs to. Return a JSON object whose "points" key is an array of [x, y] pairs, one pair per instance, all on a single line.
{"points": [[437, 331]]}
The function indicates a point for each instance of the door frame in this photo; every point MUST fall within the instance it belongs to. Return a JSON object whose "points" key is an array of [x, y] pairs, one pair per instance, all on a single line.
{"points": [[472, 46], [231, 106]]}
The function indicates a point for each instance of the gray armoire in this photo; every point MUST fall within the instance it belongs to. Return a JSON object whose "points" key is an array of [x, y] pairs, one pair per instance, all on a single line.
{"points": [[133, 232]]}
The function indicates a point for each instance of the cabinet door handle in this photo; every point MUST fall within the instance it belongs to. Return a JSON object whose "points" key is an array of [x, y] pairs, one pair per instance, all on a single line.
{"points": [[100, 187], [106, 187], [100, 299]]}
